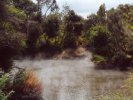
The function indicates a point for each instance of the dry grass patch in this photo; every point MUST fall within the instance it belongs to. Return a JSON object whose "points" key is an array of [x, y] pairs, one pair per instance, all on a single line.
{"points": [[27, 86]]}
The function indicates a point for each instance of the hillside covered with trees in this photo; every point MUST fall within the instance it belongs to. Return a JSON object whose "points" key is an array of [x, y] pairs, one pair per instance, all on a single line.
{"points": [[27, 30]]}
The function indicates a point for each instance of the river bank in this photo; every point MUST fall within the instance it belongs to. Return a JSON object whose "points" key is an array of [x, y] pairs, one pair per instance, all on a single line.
{"points": [[73, 79], [64, 54]]}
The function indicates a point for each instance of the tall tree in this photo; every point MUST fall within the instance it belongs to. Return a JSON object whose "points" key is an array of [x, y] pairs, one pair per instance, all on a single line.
{"points": [[2, 10], [115, 26], [73, 28], [51, 25], [91, 21], [27, 5], [102, 14], [46, 5], [73, 23]]}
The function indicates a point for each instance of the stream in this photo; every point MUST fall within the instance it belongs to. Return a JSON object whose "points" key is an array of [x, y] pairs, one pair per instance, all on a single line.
{"points": [[73, 79]]}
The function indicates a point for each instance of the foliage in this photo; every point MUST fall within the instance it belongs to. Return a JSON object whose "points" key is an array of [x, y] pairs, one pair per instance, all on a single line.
{"points": [[73, 23], [34, 32], [51, 25], [49, 5], [26, 86], [69, 41], [3, 13], [109, 33], [2, 10], [121, 39], [122, 60], [72, 29], [91, 21], [17, 12], [102, 14], [98, 59], [26, 6], [3, 80], [46, 6], [10, 45], [99, 38]]}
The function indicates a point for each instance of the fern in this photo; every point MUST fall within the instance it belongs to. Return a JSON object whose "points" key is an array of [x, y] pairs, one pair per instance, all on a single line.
{"points": [[3, 80]]}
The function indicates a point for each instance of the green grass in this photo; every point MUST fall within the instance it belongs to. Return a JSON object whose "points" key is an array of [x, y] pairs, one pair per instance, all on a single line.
{"points": [[3, 80], [97, 59]]}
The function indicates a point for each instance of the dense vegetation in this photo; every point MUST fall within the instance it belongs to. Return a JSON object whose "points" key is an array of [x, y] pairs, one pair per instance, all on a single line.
{"points": [[26, 30], [111, 35]]}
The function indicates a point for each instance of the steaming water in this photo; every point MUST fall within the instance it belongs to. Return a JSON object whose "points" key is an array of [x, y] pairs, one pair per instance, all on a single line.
{"points": [[73, 79]]}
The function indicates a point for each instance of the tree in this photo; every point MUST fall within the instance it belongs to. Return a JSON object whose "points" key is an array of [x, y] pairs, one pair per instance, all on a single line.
{"points": [[120, 38], [73, 24], [91, 21], [44, 6], [51, 25], [73, 28], [9, 43], [33, 34], [3, 14], [10, 46], [27, 5], [115, 26], [102, 14], [99, 38], [65, 11], [2, 10]]}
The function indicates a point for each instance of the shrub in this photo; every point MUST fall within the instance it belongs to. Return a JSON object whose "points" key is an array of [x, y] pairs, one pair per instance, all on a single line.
{"points": [[122, 60], [90, 22], [98, 59], [73, 27], [10, 46], [69, 41], [34, 32], [3, 80], [99, 38], [28, 6], [51, 25], [2, 10], [26, 86], [17, 12]]}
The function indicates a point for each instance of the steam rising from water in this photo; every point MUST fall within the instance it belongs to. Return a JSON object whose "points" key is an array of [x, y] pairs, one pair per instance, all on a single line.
{"points": [[75, 79]]}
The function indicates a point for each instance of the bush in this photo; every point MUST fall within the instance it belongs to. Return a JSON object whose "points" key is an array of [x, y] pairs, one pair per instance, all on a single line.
{"points": [[3, 94], [99, 38], [3, 11], [98, 59], [10, 46], [69, 41], [122, 60], [51, 25], [34, 32], [28, 6], [26, 86], [73, 28], [17, 12]]}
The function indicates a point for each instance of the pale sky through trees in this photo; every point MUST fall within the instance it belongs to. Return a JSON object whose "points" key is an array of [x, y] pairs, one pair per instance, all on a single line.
{"points": [[86, 7]]}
